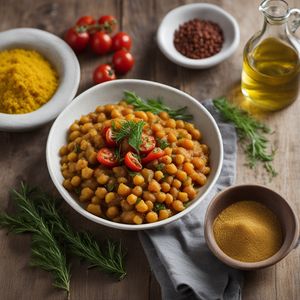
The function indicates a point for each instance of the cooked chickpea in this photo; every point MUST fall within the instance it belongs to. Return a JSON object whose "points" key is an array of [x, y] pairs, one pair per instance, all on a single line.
{"points": [[72, 156], [182, 196], [101, 192], [158, 175], [160, 197], [67, 184], [126, 206], [169, 179], [198, 163], [156, 127], [165, 187], [149, 204], [123, 189], [181, 175], [151, 217], [137, 219], [171, 123], [201, 179], [141, 206], [81, 164], [172, 138], [94, 209], [171, 169], [179, 159], [154, 186], [86, 194], [112, 212], [75, 181], [190, 191], [176, 184], [137, 190], [166, 159], [131, 199], [164, 115], [149, 196], [174, 192], [163, 214], [169, 199], [206, 170], [95, 200], [109, 197], [122, 180], [86, 127], [142, 115], [177, 205], [87, 173], [160, 134], [127, 216], [188, 168], [73, 135], [168, 151], [179, 124], [186, 143], [147, 174], [74, 127], [63, 150], [138, 180]]}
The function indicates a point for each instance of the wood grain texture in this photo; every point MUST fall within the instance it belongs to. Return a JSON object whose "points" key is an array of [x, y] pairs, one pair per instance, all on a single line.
{"points": [[22, 156]]}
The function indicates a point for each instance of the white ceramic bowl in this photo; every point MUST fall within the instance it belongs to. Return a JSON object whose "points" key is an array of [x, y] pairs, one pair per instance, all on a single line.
{"points": [[112, 92], [203, 11], [61, 56]]}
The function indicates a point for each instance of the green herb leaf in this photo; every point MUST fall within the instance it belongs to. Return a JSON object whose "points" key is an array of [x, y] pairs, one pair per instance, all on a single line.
{"points": [[251, 133], [162, 143], [160, 167], [155, 106], [138, 200], [159, 206], [131, 173], [77, 148], [110, 186]]}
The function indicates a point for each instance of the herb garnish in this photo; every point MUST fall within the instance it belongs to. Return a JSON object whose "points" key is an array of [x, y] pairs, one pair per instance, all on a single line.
{"points": [[110, 186], [155, 106], [162, 143], [131, 173], [159, 206], [77, 148], [251, 134], [132, 131], [160, 167]]}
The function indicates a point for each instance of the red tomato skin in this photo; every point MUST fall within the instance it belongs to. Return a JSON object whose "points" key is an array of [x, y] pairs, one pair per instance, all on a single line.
{"points": [[154, 154], [101, 43], [150, 142], [110, 22], [78, 41], [132, 162], [109, 138], [106, 157], [121, 41], [122, 61], [85, 21], [103, 73]]}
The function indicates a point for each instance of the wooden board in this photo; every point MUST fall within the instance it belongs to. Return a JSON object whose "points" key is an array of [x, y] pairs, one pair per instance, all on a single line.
{"points": [[22, 155]]}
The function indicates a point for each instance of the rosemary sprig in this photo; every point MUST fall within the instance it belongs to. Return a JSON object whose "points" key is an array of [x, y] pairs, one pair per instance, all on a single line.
{"points": [[155, 106], [82, 244], [251, 133], [46, 253]]}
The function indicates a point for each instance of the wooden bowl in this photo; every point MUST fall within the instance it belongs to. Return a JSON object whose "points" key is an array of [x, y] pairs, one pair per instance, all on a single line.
{"points": [[279, 206]]}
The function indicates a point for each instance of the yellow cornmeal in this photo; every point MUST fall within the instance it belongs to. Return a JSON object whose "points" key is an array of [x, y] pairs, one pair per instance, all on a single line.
{"points": [[27, 81]]}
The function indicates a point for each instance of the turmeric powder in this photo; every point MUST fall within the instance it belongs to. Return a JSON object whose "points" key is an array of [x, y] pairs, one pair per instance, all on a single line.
{"points": [[248, 231], [27, 81]]}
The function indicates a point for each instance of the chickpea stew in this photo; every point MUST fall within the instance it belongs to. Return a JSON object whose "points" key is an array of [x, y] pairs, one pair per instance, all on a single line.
{"points": [[133, 166]]}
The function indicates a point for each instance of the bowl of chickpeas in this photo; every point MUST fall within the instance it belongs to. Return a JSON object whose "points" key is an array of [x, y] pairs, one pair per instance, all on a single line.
{"points": [[124, 166]]}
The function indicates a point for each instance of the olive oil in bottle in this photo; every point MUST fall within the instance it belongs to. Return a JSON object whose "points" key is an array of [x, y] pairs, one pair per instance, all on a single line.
{"points": [[270, 74]]}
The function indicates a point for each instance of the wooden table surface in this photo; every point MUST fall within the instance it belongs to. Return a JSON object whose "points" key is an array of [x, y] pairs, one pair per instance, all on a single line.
{"points": [[22, 155]]}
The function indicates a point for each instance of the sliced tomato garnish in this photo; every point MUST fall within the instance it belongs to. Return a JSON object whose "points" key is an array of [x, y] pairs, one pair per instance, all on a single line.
{"points": [[132, 162], [109, 138], [154, 154], [148, 143], [107, 157]]}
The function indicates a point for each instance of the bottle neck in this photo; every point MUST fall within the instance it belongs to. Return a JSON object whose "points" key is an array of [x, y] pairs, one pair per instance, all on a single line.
{"points": [[274, 29]]}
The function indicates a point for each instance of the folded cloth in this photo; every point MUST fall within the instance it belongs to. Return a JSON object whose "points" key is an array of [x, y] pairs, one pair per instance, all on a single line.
{"points": [[178, 255]]}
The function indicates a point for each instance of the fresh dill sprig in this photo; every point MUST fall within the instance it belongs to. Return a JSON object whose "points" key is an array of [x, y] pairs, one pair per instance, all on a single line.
{"points": [[251, 133], [46, 252], [82, 244], [132, 131], [159, 206], [162, 143], [155, 106]]}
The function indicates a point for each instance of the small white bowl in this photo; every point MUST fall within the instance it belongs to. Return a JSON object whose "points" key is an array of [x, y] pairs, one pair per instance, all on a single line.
{"points": [[61, 56], [203, 11], [112, 92]]}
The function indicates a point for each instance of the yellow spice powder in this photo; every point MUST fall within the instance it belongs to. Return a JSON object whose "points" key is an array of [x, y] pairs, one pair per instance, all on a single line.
{"points": [[27, 81], [248, 231]]}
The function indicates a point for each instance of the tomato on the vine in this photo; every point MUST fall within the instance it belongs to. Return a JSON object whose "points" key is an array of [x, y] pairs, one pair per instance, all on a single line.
{"points": [[107, 157], [154, 154], [77, 39], [103, 73], [132, 162], [101, 42], [122, 61], [85, 21], [148, 143], [109, 23], [121, 41]]}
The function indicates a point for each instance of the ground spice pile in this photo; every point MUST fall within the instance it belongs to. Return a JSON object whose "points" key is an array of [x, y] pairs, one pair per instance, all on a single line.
{"points": [[198, 39], [248, 231], [27, 81]]}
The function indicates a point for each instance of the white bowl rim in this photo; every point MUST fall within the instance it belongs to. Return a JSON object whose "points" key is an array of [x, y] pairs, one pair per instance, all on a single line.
{"points": [[43, 115], [204, 62], [72, 202]]}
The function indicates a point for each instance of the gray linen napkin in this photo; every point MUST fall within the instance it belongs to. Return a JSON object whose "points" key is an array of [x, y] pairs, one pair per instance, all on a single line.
{"points": [[177, 253]]}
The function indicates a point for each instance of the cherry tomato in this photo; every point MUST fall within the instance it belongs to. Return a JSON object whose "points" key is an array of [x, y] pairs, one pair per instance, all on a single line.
{"points": [[101, 42], [132, 162], [109, 22], [78, 40], [148, 143], [121, 41], [154, 154], [107, 158], [109, 138], [103, 73], [122, 61], [85, 21]]}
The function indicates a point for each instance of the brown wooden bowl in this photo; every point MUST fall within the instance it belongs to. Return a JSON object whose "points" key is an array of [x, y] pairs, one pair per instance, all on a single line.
{"points": [[279, 206]]}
